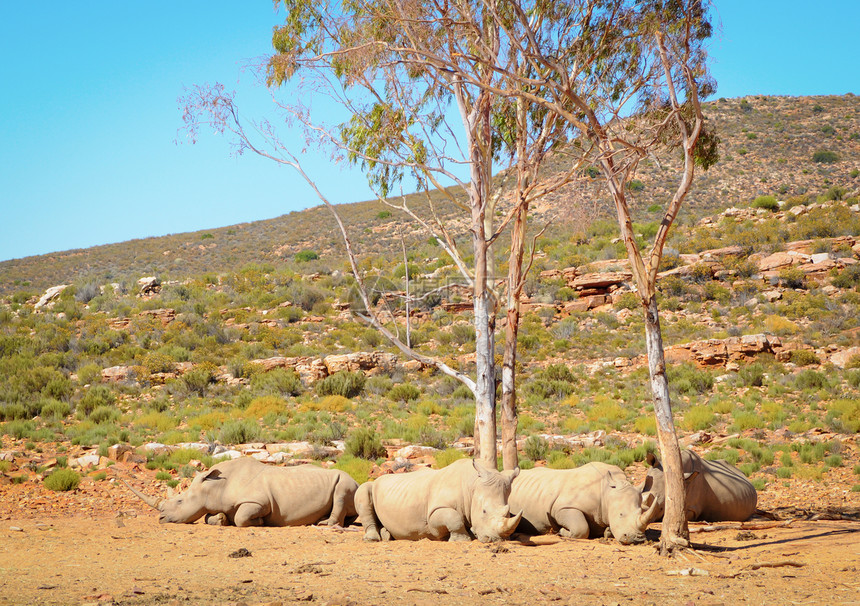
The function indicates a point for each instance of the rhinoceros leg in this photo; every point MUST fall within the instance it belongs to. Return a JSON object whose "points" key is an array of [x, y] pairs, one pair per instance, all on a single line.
{"points": [[448, 522], [217, 519], [340, 505], [364, 506], [572, 522], [250, 514]]}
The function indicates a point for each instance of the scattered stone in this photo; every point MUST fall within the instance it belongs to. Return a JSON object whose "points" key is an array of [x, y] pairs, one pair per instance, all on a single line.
{"points": [[842, 358], [16, 529], [50, 295], [240, 553]]}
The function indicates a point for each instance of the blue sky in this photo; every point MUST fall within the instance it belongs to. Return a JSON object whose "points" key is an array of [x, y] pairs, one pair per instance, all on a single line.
{"points": [[89, 113]]}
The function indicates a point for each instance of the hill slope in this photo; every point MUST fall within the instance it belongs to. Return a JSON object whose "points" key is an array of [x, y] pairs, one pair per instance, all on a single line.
{"points": [[768, 145]]}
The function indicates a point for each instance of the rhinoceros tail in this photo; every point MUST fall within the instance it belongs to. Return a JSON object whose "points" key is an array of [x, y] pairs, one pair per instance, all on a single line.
{"points": [[151, 501]]}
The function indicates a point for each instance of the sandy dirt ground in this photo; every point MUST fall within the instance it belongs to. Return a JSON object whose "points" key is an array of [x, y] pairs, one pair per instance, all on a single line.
{"points": [[128, 558]]}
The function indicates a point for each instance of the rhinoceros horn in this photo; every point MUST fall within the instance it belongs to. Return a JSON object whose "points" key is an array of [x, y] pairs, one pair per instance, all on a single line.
{"points": [[151, 501], [649, 505], [510, 524]]}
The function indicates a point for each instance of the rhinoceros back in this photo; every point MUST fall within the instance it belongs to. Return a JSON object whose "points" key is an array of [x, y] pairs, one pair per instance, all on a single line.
{"points": [[402, 501], [730, 495]]}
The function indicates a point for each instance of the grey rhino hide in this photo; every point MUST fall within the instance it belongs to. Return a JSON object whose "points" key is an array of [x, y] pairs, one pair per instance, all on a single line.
{"points": [[459, 502], [715, 490], [581, 502], [250, 493]]}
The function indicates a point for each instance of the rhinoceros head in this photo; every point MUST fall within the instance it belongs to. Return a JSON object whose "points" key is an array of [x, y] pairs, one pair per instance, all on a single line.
{"points": [[654, 487], [189, 506], [627, 511], [490, 514]]}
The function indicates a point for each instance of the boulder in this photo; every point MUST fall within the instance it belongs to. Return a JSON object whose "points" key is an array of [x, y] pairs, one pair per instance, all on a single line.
{"points": [[413, 451], [116, 374], [780, 260], [727, 251], [148, 285], [166, 316], [842, 358], [50, 295], [601, 280]]}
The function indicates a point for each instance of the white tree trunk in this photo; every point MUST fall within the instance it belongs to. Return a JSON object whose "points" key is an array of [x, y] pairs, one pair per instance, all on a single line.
{"points": [[675, 532]]}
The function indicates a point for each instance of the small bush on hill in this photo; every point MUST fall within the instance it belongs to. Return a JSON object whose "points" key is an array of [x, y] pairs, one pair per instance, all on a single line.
{"points": [[306, 255], [62, 480], [357, 468], [240, 432], [342, 383], [94, 397], [536, 448], [792, 277], [804, 357], [365, 443], [823, 156], [280, 381], [448, 456], [766, 202], [405, 392]]}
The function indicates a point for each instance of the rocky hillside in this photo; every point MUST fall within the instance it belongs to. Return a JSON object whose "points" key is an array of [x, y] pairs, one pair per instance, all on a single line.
{"points": [[783, 146]]}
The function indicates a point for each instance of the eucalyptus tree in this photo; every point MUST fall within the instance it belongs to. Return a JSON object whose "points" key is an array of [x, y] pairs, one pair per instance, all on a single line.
{"points": [[629, 75], [396, 68]]}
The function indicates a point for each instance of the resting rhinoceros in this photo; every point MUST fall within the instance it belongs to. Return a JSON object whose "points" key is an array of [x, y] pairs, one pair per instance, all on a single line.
{"points": [[462, 501], [581, 502], [715, 490], [246, 492]]}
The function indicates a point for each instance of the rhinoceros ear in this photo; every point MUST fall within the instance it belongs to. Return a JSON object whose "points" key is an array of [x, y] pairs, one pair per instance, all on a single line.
{"points": [[212, 474], [652, 460], [648, 501]]}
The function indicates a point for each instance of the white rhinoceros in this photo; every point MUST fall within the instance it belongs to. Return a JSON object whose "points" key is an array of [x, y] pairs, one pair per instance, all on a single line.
{"points": [[581, 502], [246, 492], [715, 490], [462, 501]]}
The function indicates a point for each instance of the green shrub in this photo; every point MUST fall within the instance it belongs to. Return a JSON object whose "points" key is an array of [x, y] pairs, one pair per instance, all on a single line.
{"points": [[698, 417], [55, 409], [536, 448], [646, 425], [448, 456], [792, 277], [363, 442], [833, 461], [104, 414], [279, 381], [847, 278], [62, 480], [751, 375], [804, 357], [405, 392], [636, 185], [240, 432], [342, 383], [198, 379], [823, 156], [686, 379], [163, 476], [747, 420], [304, 256], [810, 379], [766, 202], [357, 468], [156, 361], [94, 397], [784, 472]]}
